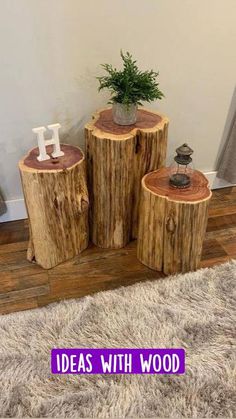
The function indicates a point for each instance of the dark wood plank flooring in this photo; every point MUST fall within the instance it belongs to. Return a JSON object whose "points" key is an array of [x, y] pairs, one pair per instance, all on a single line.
{"points": [[24, 285]]}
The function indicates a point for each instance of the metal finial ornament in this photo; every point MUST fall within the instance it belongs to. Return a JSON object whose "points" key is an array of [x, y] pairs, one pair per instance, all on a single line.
{"points": [[180, 178]]}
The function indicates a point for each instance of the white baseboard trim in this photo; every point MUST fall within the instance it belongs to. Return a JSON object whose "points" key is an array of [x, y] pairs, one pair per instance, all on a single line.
{"points": [[15, 211], [16, 207], [215, 182]]}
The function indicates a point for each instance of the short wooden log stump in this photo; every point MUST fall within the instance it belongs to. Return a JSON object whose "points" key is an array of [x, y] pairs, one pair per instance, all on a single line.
{"points": [[56, 198], [172, 222], [117, 159]]}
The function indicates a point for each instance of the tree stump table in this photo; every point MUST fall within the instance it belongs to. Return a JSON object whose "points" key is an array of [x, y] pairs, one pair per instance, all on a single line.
{"points": [[172, 222], [56, 199], [117, 159]]}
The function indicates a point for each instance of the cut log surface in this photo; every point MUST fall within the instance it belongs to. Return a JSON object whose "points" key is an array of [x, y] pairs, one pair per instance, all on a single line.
{"points": [[56, 198], [72, 155], [145, 120], [117, 159], [172, 222]]}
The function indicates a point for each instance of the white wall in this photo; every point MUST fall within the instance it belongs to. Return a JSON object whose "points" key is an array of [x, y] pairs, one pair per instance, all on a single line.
{"points": [[51, 51]]}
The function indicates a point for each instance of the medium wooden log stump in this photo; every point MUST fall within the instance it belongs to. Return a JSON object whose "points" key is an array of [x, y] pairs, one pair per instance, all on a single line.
{"points": [[56, 198], [172, 222], [117, 159]]}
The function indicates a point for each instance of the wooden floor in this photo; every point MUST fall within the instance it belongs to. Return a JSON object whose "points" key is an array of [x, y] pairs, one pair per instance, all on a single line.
{"points": [[24, 285]]}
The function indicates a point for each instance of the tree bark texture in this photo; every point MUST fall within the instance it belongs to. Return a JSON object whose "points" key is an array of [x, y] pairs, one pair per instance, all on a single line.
{"points": [[56, 198], [117, 159]]}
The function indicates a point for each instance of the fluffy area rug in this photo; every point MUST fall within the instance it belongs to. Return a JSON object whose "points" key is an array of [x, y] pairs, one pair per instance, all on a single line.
{"points": [[195, 311]]}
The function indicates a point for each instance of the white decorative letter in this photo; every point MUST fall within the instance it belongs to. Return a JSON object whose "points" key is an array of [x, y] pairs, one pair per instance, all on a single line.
{"points": [[42, 143], [55, 140]]}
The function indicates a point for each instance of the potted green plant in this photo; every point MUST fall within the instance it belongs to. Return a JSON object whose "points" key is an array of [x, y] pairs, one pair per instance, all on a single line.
{"points": [[129, 87]]}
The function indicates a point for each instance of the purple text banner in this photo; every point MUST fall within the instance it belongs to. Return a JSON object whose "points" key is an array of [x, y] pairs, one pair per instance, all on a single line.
{"points": [[117, 361]]}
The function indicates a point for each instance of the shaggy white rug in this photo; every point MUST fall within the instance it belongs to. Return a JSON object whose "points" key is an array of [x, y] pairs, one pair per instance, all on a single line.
{"points": [[195, 311]]}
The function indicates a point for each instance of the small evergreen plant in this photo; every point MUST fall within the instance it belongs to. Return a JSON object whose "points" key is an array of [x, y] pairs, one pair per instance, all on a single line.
{"points": [[130, 85]]}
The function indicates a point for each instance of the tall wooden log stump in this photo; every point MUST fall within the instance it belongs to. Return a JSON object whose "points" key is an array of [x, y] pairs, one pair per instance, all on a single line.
{"points": [[117, 159], [172, 222], [56, 199]]}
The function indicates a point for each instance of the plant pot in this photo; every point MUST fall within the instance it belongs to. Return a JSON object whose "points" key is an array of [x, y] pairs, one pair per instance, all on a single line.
{"points": [[124, 114]]}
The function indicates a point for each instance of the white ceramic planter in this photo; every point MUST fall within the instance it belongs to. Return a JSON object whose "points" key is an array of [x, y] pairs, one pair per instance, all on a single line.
{"points": [[124, 114]]}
